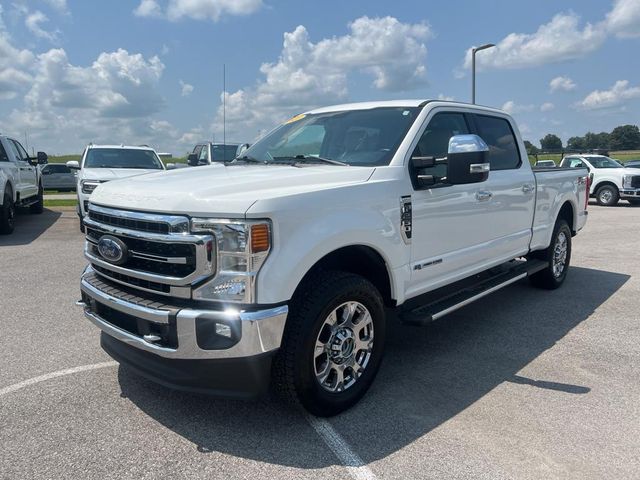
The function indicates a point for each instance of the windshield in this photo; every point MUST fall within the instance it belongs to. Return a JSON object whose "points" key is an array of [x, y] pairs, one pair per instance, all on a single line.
{"points": [[122, 158], [223, 153], [603, 162], [356, 137]]}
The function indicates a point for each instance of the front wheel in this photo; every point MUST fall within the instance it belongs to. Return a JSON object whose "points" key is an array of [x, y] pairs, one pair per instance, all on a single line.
{"points": [[607, 196], [558, 256], [7, 214], [333, 343]]}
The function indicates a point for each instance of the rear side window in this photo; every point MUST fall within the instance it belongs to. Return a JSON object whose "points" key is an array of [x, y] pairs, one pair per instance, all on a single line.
{"points": [[58, 169], [498, 135]]}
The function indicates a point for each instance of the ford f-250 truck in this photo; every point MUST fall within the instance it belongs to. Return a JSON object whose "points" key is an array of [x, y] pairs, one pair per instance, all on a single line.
{"points": [[281, 266], [20, 182]]}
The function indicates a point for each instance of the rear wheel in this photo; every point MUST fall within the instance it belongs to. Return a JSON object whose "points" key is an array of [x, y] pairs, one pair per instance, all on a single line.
{"points": [[38, 207], [333, 343], [7, 214], [607, 196], [558, 256]]}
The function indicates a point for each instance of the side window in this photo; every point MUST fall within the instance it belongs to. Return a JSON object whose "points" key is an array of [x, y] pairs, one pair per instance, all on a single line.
{"points": [[434, 142], [47, 169], [22, 152], [3, 153], [204, 154], [498, 135]]}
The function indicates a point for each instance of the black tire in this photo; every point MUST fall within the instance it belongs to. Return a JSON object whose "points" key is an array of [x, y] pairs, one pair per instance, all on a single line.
{"points": [[607, 196], [634, 201], [7, 214], [38, 207], [549, 278], [294, 368]]}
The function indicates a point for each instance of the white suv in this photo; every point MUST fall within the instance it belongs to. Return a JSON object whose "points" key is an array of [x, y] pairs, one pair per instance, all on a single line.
{"points": [[103, 163], [610, 181]]}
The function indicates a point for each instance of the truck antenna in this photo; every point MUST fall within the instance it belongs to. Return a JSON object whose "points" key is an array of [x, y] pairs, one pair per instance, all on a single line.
{"points": [[224, 106]]}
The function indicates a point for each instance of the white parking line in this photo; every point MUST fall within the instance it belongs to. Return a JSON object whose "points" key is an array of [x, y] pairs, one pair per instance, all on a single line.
{"points": [[357, 469], [59, 373]]}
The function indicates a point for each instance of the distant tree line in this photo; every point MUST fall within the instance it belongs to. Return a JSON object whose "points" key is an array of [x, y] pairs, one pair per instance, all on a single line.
{"points": [[623, 137]]}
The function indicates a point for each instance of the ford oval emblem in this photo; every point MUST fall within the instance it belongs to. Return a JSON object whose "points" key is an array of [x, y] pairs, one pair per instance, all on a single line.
{"points": [[112, 249]]}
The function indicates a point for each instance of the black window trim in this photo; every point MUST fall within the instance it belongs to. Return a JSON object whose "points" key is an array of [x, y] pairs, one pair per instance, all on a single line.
{"points": [[515, 138]]}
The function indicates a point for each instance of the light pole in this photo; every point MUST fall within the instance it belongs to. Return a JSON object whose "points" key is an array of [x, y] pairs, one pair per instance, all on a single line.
{"points": [[473, 68]]}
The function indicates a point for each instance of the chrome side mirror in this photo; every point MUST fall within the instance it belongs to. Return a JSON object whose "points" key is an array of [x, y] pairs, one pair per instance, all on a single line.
{"points": [[467, 160]]}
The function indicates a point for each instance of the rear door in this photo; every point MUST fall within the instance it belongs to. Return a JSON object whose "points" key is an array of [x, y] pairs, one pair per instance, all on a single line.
{"points": [[511, 187], [27, 186]]}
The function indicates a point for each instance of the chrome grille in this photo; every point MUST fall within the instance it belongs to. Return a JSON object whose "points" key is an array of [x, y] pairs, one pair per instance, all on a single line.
{"points": [[635, 181], [166, 263]]}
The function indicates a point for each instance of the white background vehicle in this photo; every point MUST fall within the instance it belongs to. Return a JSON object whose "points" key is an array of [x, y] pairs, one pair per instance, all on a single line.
{"points": [[281, 264], [208, 153], [610, 181], [545, 163], [20, 182], [103, 163]]}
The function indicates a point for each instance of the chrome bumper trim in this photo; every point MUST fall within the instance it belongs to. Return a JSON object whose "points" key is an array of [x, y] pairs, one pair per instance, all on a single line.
{"points": [[261, 331]]}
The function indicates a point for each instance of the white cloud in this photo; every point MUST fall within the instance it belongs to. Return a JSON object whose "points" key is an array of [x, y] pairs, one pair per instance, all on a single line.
{"points": [[59, 5], [148, 8], [564, 84], [615, 96], [547, 107], [15, 66], [559, 40], [34, 21], [512, 107], [197, 9], [185, 89], [442, 96], [624, 19], [309, 74]]}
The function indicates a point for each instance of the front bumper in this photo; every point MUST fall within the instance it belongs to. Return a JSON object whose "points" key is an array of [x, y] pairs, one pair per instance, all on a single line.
{"points": [[630, 193], [159, 339]]}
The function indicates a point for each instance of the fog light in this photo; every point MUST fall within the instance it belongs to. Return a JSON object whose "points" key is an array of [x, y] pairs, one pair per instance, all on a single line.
{"points": [[217, 335]]}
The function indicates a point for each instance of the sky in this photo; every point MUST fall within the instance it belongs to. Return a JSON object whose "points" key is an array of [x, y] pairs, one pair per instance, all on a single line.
{"points": [[151, 71]]}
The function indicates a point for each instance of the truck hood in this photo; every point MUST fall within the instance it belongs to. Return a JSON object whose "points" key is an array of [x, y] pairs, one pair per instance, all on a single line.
{"points": [[106, 174], [224, 192]]}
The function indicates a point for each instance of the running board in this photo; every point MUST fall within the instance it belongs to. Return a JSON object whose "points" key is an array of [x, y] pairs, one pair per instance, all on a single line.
{"points": [[27, 203], [442, 301]]}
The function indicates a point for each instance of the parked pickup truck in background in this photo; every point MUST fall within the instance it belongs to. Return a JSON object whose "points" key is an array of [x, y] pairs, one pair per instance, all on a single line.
{"points": [[280, 266], [20, 182], [103, 163], [208, 153], [610, 180]]}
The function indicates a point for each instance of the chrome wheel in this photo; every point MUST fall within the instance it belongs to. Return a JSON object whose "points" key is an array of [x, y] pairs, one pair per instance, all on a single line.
{"points": [[343, 347], [560, 254], [606, 195]]}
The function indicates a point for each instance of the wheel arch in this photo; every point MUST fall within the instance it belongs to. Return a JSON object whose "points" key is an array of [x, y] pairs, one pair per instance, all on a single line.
{"points": [[603, 183], [568, 213], [362, 260]]}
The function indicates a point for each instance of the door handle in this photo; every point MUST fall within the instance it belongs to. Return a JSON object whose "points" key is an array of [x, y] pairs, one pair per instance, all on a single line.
{"points": [[483, 195], [528, 188]]}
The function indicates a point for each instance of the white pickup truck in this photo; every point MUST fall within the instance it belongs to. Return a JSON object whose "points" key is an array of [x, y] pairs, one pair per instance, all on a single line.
{"points": [[284, 264], [20, 182], [610, 181]]}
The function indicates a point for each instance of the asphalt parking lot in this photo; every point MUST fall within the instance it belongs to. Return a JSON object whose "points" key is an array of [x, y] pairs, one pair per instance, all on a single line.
{"points": [[523, 384]]}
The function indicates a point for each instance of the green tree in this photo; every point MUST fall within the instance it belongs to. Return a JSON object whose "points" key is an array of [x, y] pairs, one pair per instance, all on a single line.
{"points": [[551, 142], [531, 148], [625, 137], [576, 143], [596, 140]]}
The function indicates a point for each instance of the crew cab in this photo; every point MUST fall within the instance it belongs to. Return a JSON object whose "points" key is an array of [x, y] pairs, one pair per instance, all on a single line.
{"points": [[20, 182], [610, 180], [280, 267], [209, 153], [103, 163]]}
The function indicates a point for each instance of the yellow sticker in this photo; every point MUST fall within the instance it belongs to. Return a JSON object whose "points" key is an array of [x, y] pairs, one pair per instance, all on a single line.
{"points": [[295, 119]]}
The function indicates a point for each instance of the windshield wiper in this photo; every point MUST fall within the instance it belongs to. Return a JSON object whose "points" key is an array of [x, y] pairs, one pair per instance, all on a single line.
{"points": [[313, 158], [247, 159]]}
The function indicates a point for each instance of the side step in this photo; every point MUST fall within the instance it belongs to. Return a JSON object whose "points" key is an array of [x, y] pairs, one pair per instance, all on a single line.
{"points": [[436, 304]]}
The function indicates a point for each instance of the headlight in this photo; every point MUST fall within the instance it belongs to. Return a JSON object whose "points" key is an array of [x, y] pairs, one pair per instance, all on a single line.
{"points": [[626, 181], [242, 248], [88, 186]]}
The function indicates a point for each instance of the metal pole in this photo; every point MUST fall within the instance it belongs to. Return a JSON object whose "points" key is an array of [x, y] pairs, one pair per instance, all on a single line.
{"points": [[473, 76], [224, 107]]}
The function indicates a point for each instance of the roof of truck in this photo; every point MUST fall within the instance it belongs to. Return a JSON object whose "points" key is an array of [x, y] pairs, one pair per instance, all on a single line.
{"points": [[396, 103], [128, 147]]}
